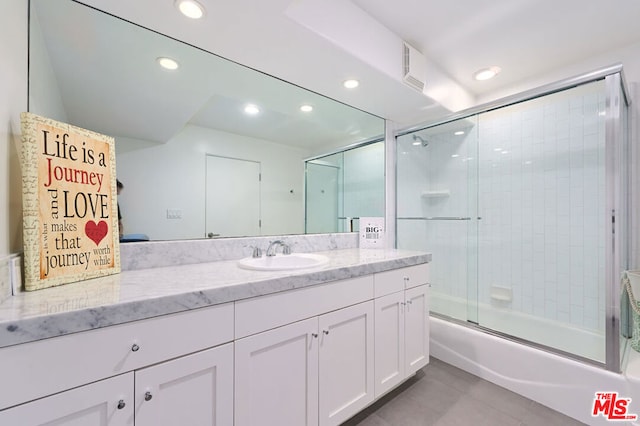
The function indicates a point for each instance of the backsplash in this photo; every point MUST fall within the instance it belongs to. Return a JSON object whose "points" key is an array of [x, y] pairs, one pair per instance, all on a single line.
{"points": [[156, 254]]}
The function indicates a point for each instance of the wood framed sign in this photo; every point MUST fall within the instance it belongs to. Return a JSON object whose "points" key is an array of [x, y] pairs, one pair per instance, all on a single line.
{"points": [[69, 202]]}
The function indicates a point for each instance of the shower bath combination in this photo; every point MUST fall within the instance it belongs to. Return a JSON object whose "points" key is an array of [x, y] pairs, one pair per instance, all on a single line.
{"points": [[541, 170]]}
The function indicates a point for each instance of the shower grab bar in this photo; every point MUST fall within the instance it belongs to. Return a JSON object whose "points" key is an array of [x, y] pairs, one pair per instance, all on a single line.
{"points": [[436, 218]]}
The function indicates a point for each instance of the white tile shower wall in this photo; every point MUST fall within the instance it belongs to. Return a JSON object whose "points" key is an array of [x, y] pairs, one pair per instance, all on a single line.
{"points": [[433, 181], [541, 192]]}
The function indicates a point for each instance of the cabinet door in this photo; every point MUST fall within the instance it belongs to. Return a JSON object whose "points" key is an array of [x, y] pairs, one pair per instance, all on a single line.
{"points": [[105, 403], [389, 342], [276, 381], [195, 389], [346, 362], [416, 329]]}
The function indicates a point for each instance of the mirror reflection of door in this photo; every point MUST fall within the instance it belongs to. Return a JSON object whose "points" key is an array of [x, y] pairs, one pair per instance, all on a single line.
{"points": [[322, 198], [232, 197]]}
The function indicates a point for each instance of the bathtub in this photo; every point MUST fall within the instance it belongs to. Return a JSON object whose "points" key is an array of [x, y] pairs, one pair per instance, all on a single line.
{"points": [[498, 316], [563, 384]]}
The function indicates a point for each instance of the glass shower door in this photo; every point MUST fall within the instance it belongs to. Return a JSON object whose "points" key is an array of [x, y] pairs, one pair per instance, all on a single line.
{"points": [[437, 210], [542, 237]]}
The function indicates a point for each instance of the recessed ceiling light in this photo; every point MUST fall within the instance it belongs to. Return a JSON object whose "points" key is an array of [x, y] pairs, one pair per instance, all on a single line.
{"points": [[190, 8], [251, 109], [306, 108], [168, 63], [486, 73], [351, 84], [459, 133]]}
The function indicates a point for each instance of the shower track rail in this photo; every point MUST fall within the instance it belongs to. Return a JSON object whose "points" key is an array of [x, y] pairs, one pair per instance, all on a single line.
{"points": [[435, 218]]}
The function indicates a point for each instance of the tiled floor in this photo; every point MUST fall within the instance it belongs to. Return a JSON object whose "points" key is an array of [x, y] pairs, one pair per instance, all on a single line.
{"points": [[443, 395]]}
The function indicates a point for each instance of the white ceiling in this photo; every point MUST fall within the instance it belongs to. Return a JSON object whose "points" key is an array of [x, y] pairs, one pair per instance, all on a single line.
{"points": [[317, 44], [525, 38]]}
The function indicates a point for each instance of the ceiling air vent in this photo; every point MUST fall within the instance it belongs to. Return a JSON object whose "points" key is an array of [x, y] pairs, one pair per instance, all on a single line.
{"points": [[414, 67]]}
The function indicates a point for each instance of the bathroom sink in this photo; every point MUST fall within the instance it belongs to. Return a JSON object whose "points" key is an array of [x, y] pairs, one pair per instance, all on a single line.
{"points": [[283, 262]]}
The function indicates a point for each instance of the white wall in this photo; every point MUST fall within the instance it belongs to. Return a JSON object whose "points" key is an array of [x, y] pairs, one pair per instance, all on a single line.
{"points": [[177, 170], [13, 100], [44, 94]]}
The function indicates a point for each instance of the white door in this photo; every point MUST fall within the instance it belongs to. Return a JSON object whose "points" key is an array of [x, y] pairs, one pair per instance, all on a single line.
{"points": [[346, 362], [232, 197], [389, 342], [193, 390], [321, 197], [276, 382], [105, 403], [416, 329]]}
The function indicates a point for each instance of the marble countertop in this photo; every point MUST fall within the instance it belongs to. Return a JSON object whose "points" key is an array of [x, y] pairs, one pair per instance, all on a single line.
{"points": [[147, 293]]}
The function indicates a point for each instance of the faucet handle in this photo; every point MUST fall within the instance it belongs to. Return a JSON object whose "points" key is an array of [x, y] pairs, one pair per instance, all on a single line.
{"points": [[256, 252], [286, 249]]}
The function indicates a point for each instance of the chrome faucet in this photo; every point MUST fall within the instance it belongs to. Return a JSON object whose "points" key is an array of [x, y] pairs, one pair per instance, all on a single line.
{"points": [[273, 247]]}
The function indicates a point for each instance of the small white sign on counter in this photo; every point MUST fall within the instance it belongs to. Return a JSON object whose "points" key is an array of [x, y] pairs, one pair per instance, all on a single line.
{"points": [[372, 232]]}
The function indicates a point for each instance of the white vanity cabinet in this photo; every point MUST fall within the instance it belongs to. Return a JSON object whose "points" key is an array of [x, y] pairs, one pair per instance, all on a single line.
{"points": [[313, 356], [345, 362], [276, 380], [107, 402], [401, 325], [195, 389], [315, 371], [45, 382]]}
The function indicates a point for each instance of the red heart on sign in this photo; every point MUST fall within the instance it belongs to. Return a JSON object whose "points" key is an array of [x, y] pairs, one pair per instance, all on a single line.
{"points": [[96, 231]]}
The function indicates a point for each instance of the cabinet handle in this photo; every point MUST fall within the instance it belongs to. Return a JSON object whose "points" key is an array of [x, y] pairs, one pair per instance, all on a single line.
{"points": [[326, 332], [409, 302], [148, 396], [121, 404], [135, 348], [315, 335]]}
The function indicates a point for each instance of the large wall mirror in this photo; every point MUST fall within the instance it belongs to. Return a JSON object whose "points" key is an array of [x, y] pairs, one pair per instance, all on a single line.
{"points": [[194, 161]]}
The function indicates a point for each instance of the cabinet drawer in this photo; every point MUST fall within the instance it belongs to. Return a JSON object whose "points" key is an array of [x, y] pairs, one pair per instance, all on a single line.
{"points": [[64, 362], [95, 404], [400, 279], [267, 312]]}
